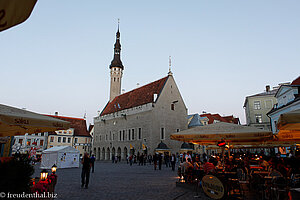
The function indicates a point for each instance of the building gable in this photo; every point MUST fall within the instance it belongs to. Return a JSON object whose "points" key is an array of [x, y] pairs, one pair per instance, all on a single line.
{"points": [[170, 90], [283, 89]]}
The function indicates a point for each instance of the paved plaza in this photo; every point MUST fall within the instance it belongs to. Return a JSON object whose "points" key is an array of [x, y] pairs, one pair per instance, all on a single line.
{"points": [[121, 181]]}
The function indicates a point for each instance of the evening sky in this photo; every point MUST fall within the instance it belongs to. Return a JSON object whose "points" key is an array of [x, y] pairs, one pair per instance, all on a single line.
{"points": [[222, 51]]}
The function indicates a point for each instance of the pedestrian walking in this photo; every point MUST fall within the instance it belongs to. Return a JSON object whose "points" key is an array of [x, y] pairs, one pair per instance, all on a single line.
{"points": [[130, 160], [93, 162], [150, 159], [159, 161], [167, 160], [155, 159], [85, 173], [173, 161]]}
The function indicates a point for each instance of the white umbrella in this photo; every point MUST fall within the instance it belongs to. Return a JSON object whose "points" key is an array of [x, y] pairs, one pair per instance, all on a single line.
{"points": [[14, 121], [212, 133], [289, 121]]}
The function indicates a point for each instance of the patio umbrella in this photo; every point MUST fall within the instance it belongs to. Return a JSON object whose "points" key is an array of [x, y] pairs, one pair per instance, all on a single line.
{"points": [[213, 133], [14, 121], [289, 121], [14, 12], [289, 126]]}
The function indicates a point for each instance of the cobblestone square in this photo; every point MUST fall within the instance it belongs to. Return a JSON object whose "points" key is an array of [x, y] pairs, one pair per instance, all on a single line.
{"points": [[114, 181]]}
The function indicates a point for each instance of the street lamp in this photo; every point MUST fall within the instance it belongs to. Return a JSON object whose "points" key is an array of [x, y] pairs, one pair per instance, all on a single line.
{"points": [[53, 169], [44, 175]]}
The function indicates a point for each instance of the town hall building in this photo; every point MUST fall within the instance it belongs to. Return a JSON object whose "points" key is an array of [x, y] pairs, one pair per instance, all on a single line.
{"points": [[141, 120]]}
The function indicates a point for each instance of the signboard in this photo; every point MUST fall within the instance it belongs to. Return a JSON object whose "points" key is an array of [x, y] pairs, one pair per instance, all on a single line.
{"points": [[221, 143], [213, 187]]}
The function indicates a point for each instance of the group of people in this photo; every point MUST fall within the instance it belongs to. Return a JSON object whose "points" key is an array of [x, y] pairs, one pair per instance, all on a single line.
{"points": [[243, 162], [207, 164], [157, 159], [115, 159]]}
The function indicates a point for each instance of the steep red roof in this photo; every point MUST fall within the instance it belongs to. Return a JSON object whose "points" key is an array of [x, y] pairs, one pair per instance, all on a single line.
{"points": [[231, 119], [136, 97], [213, 117], [78, 124], [296, 81]]}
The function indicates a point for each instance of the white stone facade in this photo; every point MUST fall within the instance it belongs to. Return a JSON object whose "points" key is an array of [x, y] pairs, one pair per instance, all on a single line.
{"points": [[148, 125]]}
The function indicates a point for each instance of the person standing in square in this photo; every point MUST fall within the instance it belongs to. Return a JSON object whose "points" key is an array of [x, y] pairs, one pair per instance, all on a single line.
{"points": [[85, 173]]}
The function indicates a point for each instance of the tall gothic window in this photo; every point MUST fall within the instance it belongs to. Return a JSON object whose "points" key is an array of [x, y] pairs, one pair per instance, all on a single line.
{"points": [[132, 134], [162, 133], [140, 134]]}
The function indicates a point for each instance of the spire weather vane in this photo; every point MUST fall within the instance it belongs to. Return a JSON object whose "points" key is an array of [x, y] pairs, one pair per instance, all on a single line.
{"points": [[170, 64]]}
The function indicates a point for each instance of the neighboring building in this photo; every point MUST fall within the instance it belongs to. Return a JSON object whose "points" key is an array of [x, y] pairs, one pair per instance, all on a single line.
{"points": [[24, 143], [5, 146], [288, 98], [139, 120], [76, 136], [215, 118], [257, 106], [195, 120]]}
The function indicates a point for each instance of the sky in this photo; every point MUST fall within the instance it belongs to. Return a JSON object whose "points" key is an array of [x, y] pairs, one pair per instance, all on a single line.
{"points": [[222, 51]]}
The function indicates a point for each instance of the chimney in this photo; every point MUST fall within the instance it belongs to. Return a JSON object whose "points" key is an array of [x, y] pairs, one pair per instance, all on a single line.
{"points": [[56, 113], [267, 88]]}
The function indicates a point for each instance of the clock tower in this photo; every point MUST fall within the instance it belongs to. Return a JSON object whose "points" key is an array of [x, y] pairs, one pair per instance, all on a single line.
{"points": [[116, 69]]}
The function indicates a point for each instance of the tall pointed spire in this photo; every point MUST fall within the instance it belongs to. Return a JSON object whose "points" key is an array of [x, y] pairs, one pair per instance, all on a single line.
{"points": [[116, 68], [170, 72], [116, 62]]}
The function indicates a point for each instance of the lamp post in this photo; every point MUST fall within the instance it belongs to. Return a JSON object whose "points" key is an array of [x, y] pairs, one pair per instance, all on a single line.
{"points": [[53, 169], [44, 175]]}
